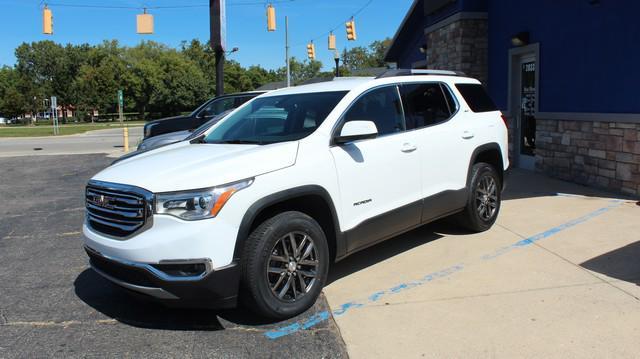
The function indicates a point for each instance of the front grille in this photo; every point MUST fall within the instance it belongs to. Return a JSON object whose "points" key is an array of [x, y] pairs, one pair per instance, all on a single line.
{"points": [[116, 210]]}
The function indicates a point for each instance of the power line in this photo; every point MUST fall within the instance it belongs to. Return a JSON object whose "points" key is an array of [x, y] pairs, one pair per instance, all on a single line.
{"points": [[361, 9], [90, 6]]}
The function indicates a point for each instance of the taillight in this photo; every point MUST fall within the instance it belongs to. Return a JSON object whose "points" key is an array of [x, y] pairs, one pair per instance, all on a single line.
{"points": [[504, 119]]}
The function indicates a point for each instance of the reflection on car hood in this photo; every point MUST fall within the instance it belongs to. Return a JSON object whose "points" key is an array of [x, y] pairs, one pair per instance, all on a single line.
{"points": [[184, 166], [161, 140]]}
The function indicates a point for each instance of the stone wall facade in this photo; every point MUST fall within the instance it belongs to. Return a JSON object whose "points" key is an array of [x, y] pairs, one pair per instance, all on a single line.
{"points": [[600, 154], [460, 46]]}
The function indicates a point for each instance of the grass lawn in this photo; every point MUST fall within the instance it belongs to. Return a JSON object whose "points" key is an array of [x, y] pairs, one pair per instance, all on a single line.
{"points": [[37, 131]]}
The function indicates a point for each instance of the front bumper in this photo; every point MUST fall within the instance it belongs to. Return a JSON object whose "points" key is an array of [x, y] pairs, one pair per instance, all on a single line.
{"points": [[212, 289]]}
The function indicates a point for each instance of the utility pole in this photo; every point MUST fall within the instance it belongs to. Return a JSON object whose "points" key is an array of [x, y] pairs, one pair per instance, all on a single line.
{"points": [[218, 31], [286, 49], [219, 72]]}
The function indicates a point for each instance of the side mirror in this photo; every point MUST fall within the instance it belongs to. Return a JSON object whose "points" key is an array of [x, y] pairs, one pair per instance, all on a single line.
{"points": [[357, 130]]}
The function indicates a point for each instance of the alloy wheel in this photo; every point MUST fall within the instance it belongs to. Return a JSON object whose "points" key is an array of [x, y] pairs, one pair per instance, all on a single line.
{"points": [[292, 266], [486, 197]]}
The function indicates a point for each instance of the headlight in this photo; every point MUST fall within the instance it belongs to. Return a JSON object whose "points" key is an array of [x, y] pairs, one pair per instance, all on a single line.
{"points": [[198, 204]]}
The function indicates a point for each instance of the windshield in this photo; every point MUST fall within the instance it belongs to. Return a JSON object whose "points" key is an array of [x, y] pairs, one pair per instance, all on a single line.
{"points": [[276, 119]]}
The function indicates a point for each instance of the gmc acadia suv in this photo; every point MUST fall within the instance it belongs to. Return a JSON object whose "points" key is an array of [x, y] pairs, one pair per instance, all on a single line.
{"points": [[261, 204]]}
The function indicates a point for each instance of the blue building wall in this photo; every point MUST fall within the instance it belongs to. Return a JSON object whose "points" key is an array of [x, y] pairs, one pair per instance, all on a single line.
{"points": [[589, 54], [455, 7], [411, 42]]}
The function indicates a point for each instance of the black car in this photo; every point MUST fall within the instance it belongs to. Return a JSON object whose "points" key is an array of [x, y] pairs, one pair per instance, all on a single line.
{"points": [[202, 114]]}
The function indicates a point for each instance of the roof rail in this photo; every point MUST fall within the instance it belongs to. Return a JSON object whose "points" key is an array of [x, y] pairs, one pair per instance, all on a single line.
{"points": [[414, 72]]}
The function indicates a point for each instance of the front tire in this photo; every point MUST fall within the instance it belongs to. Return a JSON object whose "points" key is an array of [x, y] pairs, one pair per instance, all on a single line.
{"points": [[285, 266], [485, 196]]}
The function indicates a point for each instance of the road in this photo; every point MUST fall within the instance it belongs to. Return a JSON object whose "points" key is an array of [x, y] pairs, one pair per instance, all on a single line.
{"points": [[100, 141]]}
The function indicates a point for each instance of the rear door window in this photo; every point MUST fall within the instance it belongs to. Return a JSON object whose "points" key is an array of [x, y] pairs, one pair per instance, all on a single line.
{"points": [[426, 104], [476, 97]]}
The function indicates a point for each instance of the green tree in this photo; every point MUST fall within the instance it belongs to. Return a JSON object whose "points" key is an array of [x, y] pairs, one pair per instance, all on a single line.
{"points": [[301, 71], [12, 102], [182, 84], [358, 58], [203, 56], [99, 79]]}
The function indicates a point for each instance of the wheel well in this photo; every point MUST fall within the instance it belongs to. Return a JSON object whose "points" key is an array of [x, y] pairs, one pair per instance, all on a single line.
{"points": [[493, 157], [312, 205]]}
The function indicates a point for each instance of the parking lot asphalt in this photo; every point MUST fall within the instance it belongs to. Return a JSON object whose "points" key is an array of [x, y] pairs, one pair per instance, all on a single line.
{"points": [[53, 305]]}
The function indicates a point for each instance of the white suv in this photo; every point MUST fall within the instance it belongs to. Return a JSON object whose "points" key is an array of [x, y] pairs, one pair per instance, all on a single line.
{"points": [[260, 205]]}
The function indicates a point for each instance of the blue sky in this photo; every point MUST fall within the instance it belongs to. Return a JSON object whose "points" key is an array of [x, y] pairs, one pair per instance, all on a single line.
{"points": [[246, 25]]}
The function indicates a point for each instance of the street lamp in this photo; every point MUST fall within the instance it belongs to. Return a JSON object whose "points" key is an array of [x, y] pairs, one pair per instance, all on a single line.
{"points": [[336, 58]]}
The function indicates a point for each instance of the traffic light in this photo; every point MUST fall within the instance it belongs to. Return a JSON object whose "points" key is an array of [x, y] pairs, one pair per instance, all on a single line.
{"points": [[47, 21], [332, 41], [271, 18], [351, 30], [311, 51], [144, 23]]}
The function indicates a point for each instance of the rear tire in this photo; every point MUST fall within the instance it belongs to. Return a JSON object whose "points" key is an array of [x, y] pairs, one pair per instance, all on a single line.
{"points": [[285, 265], [483, 202]]}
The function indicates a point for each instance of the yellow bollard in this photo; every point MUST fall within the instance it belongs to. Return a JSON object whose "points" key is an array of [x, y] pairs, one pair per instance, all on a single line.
{"points": [[126, 140]]}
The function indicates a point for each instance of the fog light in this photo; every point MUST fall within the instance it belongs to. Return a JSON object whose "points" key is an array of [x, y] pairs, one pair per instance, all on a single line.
{"points": [[182, 270]]}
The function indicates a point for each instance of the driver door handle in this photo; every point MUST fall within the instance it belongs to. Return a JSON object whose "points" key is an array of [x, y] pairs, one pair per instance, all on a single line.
{"points": [[467, 135], [408, 147]]}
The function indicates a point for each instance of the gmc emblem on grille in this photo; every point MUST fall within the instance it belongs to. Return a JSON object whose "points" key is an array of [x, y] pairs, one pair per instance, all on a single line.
{"points": [[104, 201]]}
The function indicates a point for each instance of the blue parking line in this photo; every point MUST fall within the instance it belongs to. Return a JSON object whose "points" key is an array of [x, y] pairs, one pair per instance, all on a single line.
{"points": [[320, 317]]}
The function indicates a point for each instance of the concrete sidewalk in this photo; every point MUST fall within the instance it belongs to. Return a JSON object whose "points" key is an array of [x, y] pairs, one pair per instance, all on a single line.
{"points": [[99, 141], [556, 277]]}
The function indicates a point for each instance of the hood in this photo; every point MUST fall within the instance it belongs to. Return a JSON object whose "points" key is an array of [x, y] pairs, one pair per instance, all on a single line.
{"points": [[185, 166]]}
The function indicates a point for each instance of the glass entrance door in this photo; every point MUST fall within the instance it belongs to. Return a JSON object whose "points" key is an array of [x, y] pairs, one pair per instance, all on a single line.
{"points": [[527, 113]]}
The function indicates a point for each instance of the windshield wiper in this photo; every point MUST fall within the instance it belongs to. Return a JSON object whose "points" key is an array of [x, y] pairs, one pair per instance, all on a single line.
{"points": [[239, 142]]}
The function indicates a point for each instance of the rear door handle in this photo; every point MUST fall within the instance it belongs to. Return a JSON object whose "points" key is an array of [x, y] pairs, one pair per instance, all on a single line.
{"points": [[467, 135], [408, 147]]}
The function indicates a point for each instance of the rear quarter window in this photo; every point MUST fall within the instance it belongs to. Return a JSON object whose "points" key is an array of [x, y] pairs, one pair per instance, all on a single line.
{"points": [[477, 97]]}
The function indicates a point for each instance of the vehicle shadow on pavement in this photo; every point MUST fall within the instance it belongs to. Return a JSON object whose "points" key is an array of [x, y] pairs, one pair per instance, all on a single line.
{"points": [[136, 310], [621, 263], [392, 247]]}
